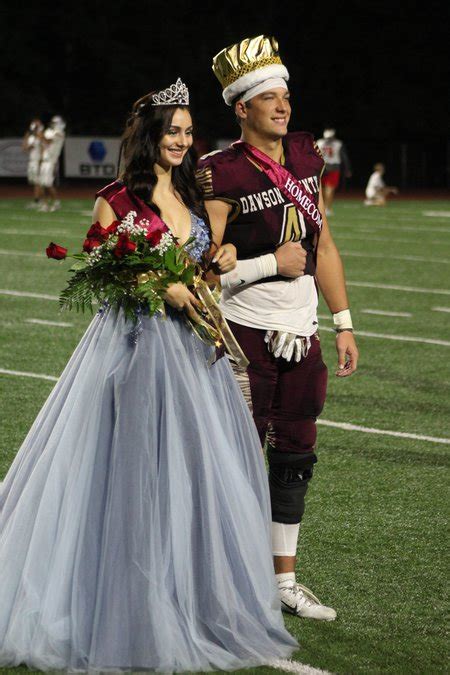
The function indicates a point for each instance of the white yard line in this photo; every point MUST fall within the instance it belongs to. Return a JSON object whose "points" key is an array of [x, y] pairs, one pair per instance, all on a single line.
{"points": [[19, 373], [37, 217], [43, 322], [394, 287], [380, 312], [288, 666], [408, 258], [32, 233], [410, 228], [441, 309], [386, 240], [327, 423], [25, 254], [399, 338], [28, 294], [383, 432], [436, 214], [394, 227]]}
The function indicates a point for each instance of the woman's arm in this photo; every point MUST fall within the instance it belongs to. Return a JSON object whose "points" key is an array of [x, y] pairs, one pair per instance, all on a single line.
{"points": [[224, 256], [103, 213]]}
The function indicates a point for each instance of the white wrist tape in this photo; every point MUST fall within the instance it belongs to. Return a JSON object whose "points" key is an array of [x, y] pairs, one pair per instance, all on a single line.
{"points": [[343, 319], [248, 271]]}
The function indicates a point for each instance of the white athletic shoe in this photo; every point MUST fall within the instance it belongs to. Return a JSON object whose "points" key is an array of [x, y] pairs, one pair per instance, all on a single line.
{"points": [[43, 208], [300, 601], [55, 206]]}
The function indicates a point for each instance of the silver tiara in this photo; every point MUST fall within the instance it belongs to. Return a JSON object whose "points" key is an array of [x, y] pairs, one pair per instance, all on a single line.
{"points": [[176, 93]]}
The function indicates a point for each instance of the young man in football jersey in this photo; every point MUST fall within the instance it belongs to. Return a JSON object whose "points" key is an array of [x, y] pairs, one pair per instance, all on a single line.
{"points": [[336, 161], [53, 142], [264, 194], [32, 144], [377, 191]]}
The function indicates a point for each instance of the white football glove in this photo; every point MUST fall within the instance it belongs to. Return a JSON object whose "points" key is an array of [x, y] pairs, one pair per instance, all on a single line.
{"points": [[287, 345]]}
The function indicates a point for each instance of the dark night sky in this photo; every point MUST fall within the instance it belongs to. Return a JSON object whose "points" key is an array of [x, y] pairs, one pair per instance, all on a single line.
{"points": [[377, 72]]}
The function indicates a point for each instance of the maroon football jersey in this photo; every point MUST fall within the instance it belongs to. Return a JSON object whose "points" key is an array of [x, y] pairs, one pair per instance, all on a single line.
{"points": [[262, 217]]}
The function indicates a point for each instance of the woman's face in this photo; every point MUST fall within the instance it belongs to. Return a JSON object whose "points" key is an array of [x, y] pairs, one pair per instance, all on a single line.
{"points": [[176, 142]]}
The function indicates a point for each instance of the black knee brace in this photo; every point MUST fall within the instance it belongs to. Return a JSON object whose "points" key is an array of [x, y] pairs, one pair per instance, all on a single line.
{"points": [[289, 475]]}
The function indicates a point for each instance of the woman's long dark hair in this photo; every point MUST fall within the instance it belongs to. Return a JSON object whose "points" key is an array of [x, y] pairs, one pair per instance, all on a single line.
{"points": [[139, 153]]}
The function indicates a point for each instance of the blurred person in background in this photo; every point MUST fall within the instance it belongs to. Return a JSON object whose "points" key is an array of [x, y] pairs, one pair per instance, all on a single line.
{"points": [[336, 162], [53, 142], [377, 191], [32, 144]]}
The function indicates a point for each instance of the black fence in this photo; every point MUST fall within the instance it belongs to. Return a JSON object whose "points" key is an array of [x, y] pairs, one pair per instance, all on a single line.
{"points": [[409, 165]]}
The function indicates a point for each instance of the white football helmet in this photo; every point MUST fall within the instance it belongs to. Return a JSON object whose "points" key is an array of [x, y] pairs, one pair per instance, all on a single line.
{"points": [[58, 123], [329, 133]]}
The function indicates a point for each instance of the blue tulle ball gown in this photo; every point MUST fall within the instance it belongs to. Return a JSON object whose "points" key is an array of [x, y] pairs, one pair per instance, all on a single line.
{"points": [[134, 520]]}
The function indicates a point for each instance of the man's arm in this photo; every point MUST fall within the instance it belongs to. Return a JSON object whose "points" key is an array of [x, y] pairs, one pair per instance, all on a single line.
{"points": [[25, 142], [331, 280], [289, 259]]}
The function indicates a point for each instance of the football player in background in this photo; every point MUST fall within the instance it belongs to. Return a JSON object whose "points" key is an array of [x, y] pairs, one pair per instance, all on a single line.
{"points": [[53, 142], [32, 144], [377, 191], [336, 163]]}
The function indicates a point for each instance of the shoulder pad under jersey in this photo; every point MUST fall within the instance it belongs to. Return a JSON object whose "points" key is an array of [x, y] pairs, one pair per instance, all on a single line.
{"points": [[216, 172], [301, 143], [209, 154]]}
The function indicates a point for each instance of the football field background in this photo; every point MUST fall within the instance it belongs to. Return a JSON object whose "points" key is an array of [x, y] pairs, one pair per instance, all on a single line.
{"points": [[374, 536]]}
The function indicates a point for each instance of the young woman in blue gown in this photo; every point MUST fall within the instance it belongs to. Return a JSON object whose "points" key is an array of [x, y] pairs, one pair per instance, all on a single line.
{"points": [[134, 520]]}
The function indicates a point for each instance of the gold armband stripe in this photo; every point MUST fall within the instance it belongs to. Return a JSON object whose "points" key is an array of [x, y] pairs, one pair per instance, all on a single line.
{"points": [[204, 180]]}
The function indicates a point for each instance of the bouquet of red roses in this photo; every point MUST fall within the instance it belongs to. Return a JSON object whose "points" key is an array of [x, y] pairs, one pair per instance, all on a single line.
{"points": [[127, 265]]}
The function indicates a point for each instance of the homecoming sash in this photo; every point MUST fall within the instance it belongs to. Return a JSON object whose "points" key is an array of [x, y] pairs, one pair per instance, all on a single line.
{"points": [[124, 202], [287, 184]]}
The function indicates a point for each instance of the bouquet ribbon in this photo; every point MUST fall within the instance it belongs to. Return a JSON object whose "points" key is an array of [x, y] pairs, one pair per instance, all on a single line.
{"points": [[217, 325]]}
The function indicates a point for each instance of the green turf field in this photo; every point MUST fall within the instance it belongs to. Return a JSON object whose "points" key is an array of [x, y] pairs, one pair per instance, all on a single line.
{"points": [[373, 540]]}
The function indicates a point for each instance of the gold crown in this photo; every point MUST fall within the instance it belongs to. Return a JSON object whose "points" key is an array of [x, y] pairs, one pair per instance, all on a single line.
{"points": [[244, 57]]}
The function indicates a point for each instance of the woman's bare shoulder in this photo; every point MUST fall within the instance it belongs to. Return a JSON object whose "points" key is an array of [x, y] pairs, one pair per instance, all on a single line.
{"points": [[103, 212]]}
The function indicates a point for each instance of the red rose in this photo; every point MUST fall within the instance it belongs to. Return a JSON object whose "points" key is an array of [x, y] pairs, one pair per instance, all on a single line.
{"points": [[97, 232], [90, 244], [154, 237], [112, 229], [56, 252], [124, 246]]}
